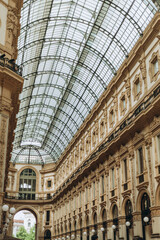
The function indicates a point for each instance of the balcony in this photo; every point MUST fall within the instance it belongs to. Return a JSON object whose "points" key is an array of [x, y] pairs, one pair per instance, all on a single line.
{"points": [[27, 198], [10, 64]]}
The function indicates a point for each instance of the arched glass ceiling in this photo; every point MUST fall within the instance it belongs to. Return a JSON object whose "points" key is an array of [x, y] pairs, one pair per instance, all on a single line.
{"points": [[30, 155], [69, 51]]}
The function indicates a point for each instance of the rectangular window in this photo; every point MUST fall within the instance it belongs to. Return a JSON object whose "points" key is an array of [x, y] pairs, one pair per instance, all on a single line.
{"points": [[49, 183], [86, 195], [48, 196], [123, 103], [113, 180], [94, 191], [155, 66], [125, 170], [34, 185], [80, 199], [112, 116], [74, 202], [137, 86], [47, 217], [102, 184], [140, 160]]}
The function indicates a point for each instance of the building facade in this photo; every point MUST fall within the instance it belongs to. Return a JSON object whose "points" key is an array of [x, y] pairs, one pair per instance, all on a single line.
{"points": [[11, 83], [107, 181]]}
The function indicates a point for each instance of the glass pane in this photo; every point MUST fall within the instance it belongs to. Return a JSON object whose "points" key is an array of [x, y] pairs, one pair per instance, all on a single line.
{"points": [[70, 51]]}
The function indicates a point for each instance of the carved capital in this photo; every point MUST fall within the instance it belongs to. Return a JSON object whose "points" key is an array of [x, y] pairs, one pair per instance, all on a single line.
{"points": [[148, 142]]}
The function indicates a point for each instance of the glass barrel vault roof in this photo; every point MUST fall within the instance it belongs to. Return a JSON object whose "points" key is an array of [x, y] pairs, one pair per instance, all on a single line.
{"points": [[69, 51]]}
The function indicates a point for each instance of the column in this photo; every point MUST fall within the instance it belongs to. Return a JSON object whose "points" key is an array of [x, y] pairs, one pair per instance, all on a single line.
{"points": [[122, 228], [137, 226], [155, 219]]}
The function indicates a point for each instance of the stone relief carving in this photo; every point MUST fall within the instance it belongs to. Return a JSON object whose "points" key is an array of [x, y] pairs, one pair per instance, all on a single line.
{"points": [[12, 28]]}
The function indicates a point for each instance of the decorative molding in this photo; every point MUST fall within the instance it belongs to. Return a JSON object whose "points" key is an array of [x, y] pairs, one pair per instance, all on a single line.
{"points": [[138, 137]]}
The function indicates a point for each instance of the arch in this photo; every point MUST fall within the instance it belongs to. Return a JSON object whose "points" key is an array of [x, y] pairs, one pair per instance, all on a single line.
{"points": [[27, 184], [80, 222], [111, 209], [47, 234], [104, 222], [145, 202], [87, 221], [61, 228], [124, 205], [139, 197], [65, 227], [31, 209], [20, 171], [157, 195], [35, 212], [70, 226], [114, 211], [94, 218], [75, 225], [128, 208], [102, 214], [145, 214]]}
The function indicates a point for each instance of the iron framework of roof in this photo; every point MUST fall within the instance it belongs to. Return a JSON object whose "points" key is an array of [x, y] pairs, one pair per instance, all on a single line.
{"points": [[69, 51]]}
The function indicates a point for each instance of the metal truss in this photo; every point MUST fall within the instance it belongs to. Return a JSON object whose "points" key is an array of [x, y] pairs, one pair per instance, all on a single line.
{"points": [[69, 52]]}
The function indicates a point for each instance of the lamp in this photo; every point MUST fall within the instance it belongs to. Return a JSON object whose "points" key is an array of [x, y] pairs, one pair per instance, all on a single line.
{"points": [[7, 220], [12, 210], [146, 219], [102, 229], [67, 237], [10, 216], [72, 236], [93, 230], [5, 208], [84, 233], [128, 224], [113, 227]]}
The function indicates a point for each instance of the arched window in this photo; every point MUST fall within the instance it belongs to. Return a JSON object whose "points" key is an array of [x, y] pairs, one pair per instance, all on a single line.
{"points": [[87, 225], [95, 222], [47, 235], [145, 211], [75, 228], [81, 236], [27, 184], [115, 212], [128, 212], [115, 222], [104, 220], [70, 229]]}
